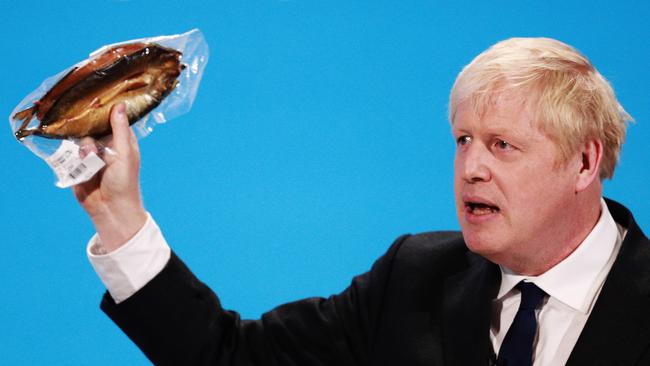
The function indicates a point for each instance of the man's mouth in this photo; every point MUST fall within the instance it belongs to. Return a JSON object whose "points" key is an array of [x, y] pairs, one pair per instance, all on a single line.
{"points": [[479, 208]]}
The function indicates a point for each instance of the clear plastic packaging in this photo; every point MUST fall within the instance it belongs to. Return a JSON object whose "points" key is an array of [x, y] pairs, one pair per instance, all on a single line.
{"points": [[62, 154]]}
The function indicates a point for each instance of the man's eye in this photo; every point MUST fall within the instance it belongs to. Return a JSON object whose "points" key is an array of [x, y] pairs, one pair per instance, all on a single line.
{"points": [[463, 140], [503, 145]]}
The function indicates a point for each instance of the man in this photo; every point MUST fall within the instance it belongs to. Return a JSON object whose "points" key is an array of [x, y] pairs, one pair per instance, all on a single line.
{"points": [[546, 272]]}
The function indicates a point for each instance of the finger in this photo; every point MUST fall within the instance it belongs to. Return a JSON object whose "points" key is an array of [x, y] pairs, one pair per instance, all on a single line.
{"points": [[83, 190], [87, 145], [106, 149], [121, 129], [134, 142]]}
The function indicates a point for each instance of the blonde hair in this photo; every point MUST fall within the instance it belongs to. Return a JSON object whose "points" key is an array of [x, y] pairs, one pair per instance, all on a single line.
{"points": [[572, 101]]}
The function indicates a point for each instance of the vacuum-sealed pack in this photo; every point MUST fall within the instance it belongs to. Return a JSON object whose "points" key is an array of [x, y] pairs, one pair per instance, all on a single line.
{"points": [[156, 78]]}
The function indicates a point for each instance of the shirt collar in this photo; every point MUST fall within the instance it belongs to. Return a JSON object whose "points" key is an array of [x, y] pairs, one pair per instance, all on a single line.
{"points": [[573, 279]]}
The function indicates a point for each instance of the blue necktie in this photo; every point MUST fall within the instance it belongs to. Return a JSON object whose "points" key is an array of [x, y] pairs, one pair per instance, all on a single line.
{"points": [[517, 346]]}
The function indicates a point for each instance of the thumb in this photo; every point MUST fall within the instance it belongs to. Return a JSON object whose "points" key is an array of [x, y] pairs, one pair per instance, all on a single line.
{"points": [[121, 130]]}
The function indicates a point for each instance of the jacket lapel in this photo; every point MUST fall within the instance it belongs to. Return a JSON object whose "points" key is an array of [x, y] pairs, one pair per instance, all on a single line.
{"points": [[618, 329], [467, 302]]}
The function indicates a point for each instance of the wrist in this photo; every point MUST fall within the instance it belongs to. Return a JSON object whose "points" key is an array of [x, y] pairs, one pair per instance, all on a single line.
{"points": [[117, 225]]}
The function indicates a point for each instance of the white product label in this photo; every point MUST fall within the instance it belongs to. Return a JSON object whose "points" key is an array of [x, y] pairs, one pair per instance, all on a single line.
{"points": [[70, 169]]}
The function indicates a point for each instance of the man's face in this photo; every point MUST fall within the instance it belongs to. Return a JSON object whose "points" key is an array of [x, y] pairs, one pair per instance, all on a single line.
{"points": [[510, 189]]}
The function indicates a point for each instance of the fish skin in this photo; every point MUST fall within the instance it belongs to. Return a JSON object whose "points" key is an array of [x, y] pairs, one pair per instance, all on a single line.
{"points": [[140, 75]]}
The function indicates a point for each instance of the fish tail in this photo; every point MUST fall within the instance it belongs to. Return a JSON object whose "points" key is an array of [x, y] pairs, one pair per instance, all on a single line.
{"points": [[22, 133], [25, 116]]}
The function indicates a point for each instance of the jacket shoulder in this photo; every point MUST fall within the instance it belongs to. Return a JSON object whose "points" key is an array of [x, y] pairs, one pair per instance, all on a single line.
{"points": [[436, 248], [431, 257], [420, 266]]}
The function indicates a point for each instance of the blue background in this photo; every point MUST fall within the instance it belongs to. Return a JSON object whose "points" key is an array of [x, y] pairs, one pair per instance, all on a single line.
{"points": [[319, 134]]}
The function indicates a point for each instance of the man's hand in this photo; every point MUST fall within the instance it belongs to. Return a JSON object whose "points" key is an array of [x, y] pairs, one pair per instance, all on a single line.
{"points": [[112, 197]]}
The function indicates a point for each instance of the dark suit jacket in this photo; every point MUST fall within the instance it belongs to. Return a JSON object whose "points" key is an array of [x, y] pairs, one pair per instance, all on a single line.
{"points": [[425, 302]]}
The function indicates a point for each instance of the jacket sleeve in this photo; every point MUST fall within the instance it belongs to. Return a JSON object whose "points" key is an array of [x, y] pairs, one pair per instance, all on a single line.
{"points": [[177, 320]]}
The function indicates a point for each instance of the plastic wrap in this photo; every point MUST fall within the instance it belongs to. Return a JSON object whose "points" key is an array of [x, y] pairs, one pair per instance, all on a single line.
{"points": [[62, 154]]}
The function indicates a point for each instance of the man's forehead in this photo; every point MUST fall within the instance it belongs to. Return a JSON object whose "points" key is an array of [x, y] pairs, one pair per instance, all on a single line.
{"points": [[499, 112]]}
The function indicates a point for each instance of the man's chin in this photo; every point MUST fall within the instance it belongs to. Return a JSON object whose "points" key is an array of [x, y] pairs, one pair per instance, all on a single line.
{"points": [[483, 244]]}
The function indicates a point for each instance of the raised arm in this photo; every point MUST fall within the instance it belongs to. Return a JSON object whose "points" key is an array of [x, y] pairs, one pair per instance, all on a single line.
{"points": [[175, 319]]}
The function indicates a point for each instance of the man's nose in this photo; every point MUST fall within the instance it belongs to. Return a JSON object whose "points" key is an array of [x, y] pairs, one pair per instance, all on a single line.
{"points": [[475, 164]]}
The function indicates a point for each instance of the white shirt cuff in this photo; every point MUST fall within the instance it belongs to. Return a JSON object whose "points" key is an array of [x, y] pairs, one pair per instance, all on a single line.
{"points": [[127, 269]]}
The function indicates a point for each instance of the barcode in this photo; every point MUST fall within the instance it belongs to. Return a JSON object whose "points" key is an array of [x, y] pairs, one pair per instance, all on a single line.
{"points": [[77, 172]]}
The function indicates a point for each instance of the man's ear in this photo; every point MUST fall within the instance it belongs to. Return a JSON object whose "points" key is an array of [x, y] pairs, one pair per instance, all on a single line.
{"points": [[592, 154]]}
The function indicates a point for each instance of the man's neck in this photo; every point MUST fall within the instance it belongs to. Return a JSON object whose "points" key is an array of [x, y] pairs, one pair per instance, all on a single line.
{"points": [[583, 215]]}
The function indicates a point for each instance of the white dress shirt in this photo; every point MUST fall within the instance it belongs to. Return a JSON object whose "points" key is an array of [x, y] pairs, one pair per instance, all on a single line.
{"points": [[127, 269], [572, 286]]}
